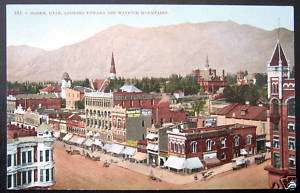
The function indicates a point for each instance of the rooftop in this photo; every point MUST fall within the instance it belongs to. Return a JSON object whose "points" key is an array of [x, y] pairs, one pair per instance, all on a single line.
{"points": [[36, 96], [239, 111], [14, 132], [129, 88]]}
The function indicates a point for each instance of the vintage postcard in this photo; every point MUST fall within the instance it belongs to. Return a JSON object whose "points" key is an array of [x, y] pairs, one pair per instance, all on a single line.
{"points": [[150, 97]]}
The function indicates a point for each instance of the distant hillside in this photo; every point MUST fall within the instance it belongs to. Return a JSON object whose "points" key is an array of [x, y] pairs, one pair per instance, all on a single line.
{"points": [[153, 51]]}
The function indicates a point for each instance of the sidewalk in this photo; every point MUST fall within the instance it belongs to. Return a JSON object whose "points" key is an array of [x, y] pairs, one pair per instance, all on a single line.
{"points": [[162, 174]]}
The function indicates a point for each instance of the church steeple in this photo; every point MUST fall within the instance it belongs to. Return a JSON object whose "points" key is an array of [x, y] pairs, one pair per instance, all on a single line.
{"points": [[207, 62], [112, 68]]}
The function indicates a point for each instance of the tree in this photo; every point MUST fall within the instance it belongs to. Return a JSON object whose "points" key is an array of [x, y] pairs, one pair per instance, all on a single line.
{"points": [[261, 79], [231, 78], [79, 104], [198, 106]]}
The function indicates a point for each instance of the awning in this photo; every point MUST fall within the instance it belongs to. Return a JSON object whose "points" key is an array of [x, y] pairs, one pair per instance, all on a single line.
{"points": [[243, 152], [175, 162], [151, 136], [212, 161], [98, 143], [193, 163], [88, 142], [152, 147], [77, 140], [107, 146], [268, 144], [56, 134], [116, 148], [139, 156], [67, 137], [129, 151]]}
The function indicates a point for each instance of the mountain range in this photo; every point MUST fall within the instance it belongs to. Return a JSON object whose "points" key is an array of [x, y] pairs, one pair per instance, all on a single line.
{"points": [[153, 51]]}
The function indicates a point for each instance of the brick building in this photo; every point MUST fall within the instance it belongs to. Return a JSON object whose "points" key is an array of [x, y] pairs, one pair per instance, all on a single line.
{"points": [[34, 101], [212, 145], [75, 124], [249, 115], [281, 94], [207, 78]]}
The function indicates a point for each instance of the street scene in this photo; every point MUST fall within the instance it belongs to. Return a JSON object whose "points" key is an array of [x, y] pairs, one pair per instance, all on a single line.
{"points": [[144, 97]]}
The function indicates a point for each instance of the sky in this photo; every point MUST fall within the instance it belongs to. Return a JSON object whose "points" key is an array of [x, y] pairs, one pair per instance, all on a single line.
{"points": [[52, 26]]}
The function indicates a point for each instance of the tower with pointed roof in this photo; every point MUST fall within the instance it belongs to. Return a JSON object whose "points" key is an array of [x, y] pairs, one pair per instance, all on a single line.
{"points": [[281, 95], [113, 74], [278, 70]]}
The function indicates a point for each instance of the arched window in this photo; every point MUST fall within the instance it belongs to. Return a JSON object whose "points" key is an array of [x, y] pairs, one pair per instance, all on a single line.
{"points": [[275, 114], [236, 140], [209, 144], [223, 142], [179, 148], [291, 107], [249, 140], [194, 146]]}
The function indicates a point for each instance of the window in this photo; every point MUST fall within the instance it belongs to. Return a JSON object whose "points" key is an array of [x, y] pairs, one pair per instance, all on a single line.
{"points": [[223, 142], [276, 160], [52, 172], [15, 180], [291, 107], [41, 175], [143, 123], [19, 179], [179, 148], [41, 156], [276, 142], [275, 127], [172, 147], [23, 157], [249, 140], [29, 157], [209, 144], [47, 155], [9, 181], [291, 127], [292, 162], [291, 143], [194, 146], [24, 177], [223, 156], [236, 140], [8, 160], [29, 176], [15, 159], [47, 175]]}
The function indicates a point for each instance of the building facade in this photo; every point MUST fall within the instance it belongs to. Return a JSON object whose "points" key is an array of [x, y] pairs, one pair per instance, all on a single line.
{"points": [[30, 163], [35, 101], [281, 94], [66, 82], [222, 143], [74, 95]]}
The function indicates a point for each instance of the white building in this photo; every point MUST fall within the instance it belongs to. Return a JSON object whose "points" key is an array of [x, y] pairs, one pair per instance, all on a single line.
{"points": [[66, 82], [30, 163]]}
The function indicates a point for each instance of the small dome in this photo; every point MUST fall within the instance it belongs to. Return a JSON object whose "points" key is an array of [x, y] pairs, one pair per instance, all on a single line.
{"points": [[66, 76]]}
